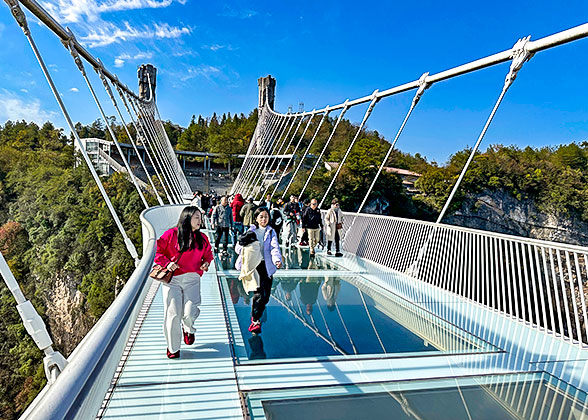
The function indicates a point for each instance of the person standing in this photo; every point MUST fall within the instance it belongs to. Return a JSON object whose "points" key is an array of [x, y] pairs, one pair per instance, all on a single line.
{"points": [[247, 212], [312, 222], [186, 251], [236, 205], [334, 222], [222, 221], [303, 209], [197, 200], [268, 201], [271, 260]]}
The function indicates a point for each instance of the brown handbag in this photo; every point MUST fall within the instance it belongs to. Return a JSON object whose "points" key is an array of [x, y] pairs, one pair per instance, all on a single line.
{"points": [[162, 274], [339, 225]]}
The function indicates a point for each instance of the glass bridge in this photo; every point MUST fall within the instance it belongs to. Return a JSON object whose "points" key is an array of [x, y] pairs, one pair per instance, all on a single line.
{"points": [[343, 338]]}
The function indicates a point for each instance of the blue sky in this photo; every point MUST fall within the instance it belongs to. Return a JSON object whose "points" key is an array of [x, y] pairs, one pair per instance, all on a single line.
{"points": [[210, 54]]}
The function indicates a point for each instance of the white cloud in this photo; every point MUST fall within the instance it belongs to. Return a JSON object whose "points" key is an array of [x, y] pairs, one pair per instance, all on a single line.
{"points": [[74, 89], [24, 91], [204, 70], [12, 107], [109, 33], [75, 11], [216, 47], [121, 59]]}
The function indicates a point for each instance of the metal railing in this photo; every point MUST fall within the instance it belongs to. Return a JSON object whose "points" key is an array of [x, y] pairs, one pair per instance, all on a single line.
{"points": [[539, 282]]}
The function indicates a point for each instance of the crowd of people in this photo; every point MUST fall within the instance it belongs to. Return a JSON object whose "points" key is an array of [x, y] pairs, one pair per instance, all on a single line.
{"points": [[257, 230]]}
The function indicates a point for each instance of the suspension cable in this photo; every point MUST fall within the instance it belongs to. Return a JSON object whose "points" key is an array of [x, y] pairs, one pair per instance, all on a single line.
{"points": [[78, 61], [281, 158], [139, 129], [280, 142], [365, 118], [293, 154], [21, 20], [270, 147], [325, 115], [520, 55], [316, 164], [423, 85], [124, 123]]}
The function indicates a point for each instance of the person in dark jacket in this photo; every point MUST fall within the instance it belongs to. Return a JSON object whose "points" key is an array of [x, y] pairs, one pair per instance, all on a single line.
{"points": [[276, 218], [312, 221], [291, 214], [222, 221]]}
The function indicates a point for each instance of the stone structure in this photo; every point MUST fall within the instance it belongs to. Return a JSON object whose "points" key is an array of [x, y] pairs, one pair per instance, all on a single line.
{"points": [[267, 91], [146, 73]]}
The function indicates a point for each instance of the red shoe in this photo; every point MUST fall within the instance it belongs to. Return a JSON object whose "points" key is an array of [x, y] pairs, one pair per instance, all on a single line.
{"points": [[188, 338], [171, 355], [255, 327]]}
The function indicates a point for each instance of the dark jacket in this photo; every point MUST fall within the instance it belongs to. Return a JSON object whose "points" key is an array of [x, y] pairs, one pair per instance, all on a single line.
{"points": [[312, 219], [290, 210], [222, 216]]}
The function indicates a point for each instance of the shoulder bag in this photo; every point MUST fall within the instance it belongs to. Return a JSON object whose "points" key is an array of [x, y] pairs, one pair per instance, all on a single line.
{"points": [[162, 274]]}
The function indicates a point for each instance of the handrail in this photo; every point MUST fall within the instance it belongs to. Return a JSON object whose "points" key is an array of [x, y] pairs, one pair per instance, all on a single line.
{"points": [[37, 10], [554, 40], [61, 400]]}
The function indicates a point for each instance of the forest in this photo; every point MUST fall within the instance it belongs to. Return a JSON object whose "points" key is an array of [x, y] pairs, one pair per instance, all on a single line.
{"points": [[55, 227]]}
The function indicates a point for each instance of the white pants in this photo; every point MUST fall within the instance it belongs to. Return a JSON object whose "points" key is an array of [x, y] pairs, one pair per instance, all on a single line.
{"points": [[181, 297]]}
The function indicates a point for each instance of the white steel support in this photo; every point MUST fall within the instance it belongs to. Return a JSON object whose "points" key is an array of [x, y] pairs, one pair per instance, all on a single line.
{"points": [[21, 19], [316, 164], [325, 115], [293, 154], [367, 114]]}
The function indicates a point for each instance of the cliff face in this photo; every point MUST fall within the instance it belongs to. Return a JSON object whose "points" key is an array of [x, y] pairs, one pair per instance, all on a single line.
{"points": [[69, 321], [499, 211]]}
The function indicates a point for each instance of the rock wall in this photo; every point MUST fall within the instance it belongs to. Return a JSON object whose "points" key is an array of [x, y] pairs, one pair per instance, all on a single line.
{"points": [[69, 321], [499, 211]]}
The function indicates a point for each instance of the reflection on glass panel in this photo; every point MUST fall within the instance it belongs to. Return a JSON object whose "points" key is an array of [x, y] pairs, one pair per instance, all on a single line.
{"points": [[316, 316], [504, 397]]}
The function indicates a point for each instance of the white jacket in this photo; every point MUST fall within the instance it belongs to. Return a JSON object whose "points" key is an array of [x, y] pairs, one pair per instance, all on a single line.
{"points": [[250, 259]]}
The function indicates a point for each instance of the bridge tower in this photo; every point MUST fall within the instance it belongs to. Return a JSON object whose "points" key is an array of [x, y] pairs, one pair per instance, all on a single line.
{"points": [[147, 76], [267, 91]]}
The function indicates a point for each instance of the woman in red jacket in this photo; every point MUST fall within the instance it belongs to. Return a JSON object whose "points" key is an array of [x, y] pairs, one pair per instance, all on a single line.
{"points": [[186, 251]]}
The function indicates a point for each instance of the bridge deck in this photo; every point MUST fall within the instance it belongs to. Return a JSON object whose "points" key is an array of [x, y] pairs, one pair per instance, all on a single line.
{"points": [[209, 378]]}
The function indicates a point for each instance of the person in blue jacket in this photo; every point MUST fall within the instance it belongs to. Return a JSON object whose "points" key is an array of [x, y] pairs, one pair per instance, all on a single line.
{"points": [[271, 260]]}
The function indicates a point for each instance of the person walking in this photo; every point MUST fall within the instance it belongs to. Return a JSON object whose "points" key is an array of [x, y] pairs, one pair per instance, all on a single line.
{"points": [[247, 212], [334, 222], [276, 219], [269, 260], [236, 205], [291, 213], [303, 209], [186, 251], [312, 222], [222, 221]]}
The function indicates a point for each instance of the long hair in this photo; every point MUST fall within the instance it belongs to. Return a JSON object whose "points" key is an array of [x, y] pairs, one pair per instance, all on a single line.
{"points": [[257, 212], [186, 238]]}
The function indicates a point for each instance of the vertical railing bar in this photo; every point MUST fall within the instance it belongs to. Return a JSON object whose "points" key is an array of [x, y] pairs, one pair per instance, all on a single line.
{"points": [[573, 293], [512, 270], [555, 288], [582, 298], [548, 291], [521, 290], [564, 296], [533, 283]]}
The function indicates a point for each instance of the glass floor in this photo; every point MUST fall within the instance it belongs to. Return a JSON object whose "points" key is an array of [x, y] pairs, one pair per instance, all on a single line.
{"points": [[502, 397], [294, 259], [338, 317]]}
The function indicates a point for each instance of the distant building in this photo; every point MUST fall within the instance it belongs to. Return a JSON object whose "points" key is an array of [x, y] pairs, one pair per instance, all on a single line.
{"points": [[93, 147], [408, 177]]}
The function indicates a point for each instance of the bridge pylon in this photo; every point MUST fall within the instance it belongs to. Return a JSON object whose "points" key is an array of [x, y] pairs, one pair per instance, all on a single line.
{"points": [[147, 81]]}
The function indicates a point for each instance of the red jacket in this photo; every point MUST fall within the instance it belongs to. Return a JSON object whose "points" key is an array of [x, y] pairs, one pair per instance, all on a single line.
{"points": [[236, 205], [191, 260]]}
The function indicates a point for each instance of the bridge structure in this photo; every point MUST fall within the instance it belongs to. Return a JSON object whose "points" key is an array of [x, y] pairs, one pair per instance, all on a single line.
{"points": [[418, 320]]}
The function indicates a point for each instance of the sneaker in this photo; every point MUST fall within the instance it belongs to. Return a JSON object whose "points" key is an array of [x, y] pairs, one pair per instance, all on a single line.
{"points": [[338, 254], [189, 338], [171, 355], [255, 327], [329, 253]]}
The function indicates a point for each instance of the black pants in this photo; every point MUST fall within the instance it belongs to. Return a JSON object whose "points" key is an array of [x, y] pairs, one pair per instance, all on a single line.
{"points": [[337, 240], [262, 295], [219, 232]]}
